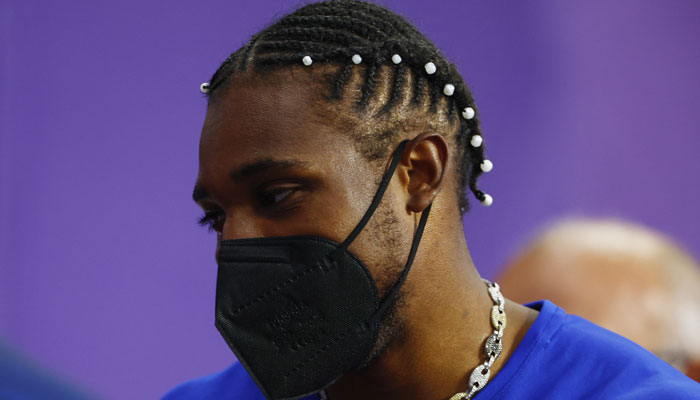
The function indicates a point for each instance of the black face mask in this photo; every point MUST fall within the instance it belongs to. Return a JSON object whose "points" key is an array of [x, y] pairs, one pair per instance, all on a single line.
{"points": [[299, 311]]}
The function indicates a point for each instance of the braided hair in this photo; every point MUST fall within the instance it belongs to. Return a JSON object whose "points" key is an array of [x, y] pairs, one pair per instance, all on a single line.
{"points": [[388, 59]]}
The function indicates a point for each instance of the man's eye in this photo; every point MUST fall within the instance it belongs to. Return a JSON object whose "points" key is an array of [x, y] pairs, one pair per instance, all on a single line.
{"points": [[273, 197], [213, 220]]}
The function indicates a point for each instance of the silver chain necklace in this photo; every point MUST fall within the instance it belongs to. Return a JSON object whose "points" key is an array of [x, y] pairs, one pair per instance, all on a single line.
{"points": [[493, 347], [494, 344]]}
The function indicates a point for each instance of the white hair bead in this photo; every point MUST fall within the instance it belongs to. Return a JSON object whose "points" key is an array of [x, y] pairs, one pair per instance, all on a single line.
{"points": [[486, 165], [357, 58], [396, 59], [476, 141], [449, 89], [307, 60], [430, 68], [488, 200], [204, 87], [468, 113]]}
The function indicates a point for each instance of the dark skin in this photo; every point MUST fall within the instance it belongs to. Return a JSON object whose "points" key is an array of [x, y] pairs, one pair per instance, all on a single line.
{"points": [[305, 176]]}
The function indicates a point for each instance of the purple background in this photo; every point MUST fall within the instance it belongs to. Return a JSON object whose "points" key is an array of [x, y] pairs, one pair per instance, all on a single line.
{"points": [[588, 108]]}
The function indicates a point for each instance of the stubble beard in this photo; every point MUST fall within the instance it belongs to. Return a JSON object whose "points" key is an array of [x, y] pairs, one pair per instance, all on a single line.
{"points": [[392, 326], [392, 331]]}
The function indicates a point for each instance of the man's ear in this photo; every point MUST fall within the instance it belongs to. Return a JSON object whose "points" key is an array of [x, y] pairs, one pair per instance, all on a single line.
{"points": [[425, 161]]}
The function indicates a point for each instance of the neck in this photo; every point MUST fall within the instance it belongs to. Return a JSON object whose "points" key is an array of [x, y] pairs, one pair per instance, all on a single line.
{"points": [[445, 331]]}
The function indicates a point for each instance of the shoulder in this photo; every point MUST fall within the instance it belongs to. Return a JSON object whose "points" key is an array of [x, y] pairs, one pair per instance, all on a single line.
{"points": [[621, 369], [566, 357], [231, 383]]}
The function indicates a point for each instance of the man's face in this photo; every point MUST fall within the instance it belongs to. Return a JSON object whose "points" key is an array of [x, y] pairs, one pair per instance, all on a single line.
{"points": [[270, 166]]}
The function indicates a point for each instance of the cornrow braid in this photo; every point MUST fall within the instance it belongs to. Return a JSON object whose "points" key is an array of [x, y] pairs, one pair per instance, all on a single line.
{"points": [[383, 50], [397, 88], [418, 85], [347, 24], [341, 80], [371, 73]]}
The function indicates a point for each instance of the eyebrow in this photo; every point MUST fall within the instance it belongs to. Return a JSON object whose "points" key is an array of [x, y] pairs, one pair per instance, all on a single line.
{"points": [[251, 169], [264, 165]]}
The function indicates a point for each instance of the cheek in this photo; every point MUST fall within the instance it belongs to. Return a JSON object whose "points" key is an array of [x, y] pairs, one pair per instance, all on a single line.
{"points": [[384, 244], [345, 199]]}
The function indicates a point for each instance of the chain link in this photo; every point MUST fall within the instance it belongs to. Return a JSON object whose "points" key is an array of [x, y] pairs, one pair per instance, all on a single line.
{"points": [[493, 346]]}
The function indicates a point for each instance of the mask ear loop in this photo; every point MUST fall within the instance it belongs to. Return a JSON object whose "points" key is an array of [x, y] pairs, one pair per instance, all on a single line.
{"points": [[375, 201], [391, 296]]}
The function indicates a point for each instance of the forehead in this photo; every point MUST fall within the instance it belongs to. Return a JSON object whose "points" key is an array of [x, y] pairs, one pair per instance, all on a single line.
{"points": [[276, 115], [250, 111]]}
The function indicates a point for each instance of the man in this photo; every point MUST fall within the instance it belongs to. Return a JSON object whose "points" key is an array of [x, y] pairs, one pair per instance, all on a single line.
{"points": [[334, 158], [620, 275]]}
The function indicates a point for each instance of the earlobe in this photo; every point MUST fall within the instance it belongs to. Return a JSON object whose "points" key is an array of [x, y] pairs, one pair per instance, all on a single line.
{"points": [[425, 158]]}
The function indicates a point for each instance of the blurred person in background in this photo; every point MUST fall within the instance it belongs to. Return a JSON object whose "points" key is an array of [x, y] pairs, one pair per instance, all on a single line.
{"points": [[621, 276]]}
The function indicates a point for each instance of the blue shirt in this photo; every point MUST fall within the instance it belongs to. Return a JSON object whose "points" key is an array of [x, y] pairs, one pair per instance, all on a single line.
{"points": [[561, 357]]}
